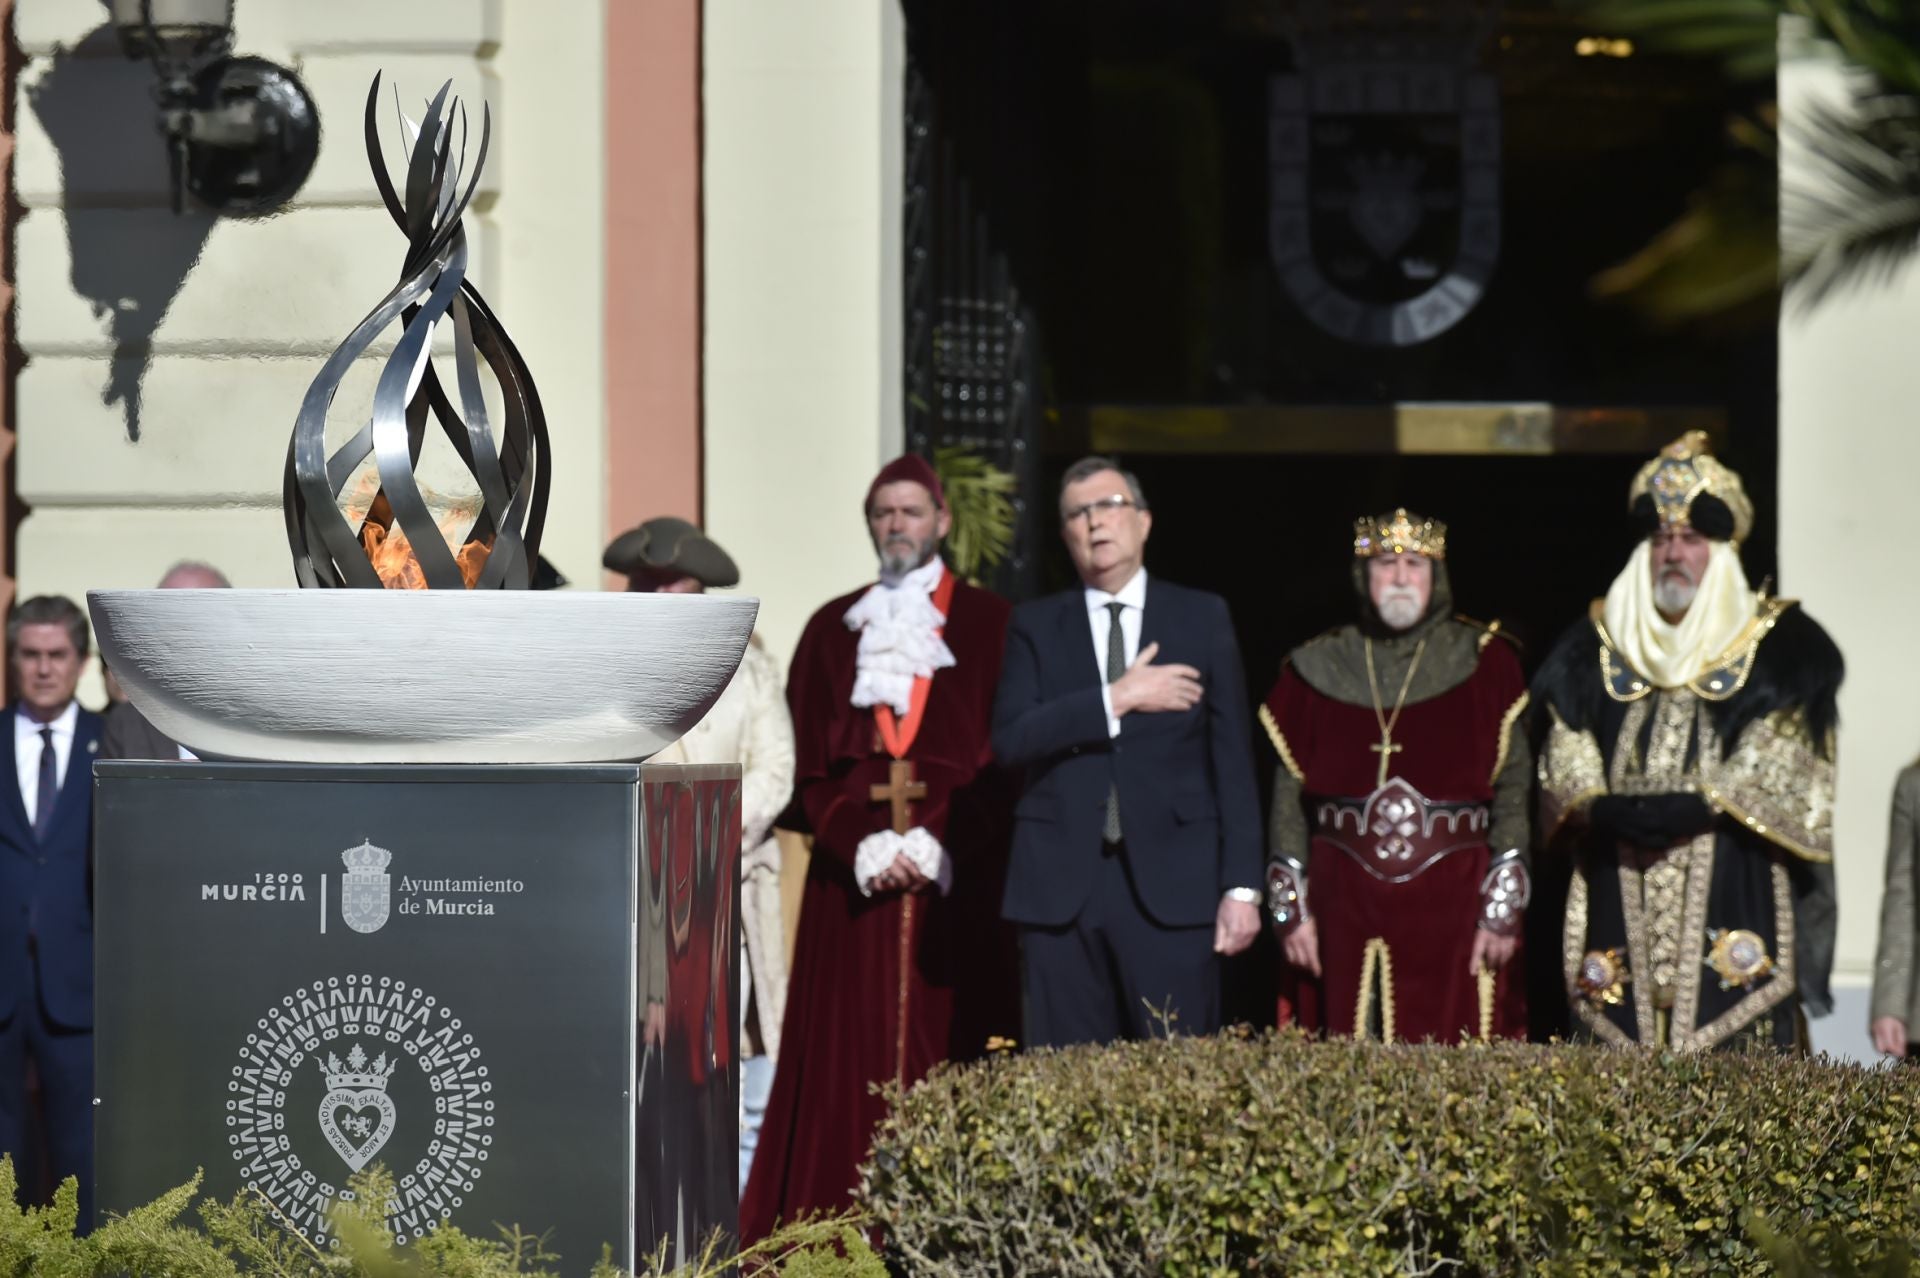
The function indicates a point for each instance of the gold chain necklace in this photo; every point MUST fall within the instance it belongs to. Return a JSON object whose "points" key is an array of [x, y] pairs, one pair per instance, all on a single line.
{"points": [[1387, 748]]}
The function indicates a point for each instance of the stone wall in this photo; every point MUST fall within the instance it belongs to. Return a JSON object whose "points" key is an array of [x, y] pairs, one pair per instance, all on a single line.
{"points": [[167, 356], [1849, 458], [803, 296]]}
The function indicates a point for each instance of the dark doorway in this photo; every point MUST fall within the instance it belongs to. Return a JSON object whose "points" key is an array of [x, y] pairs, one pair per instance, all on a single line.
{"points": [[1125, 167], [1115, 159]]}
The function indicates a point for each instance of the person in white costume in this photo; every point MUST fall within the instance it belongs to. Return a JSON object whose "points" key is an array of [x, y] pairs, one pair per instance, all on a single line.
{"points": [[749, 725]]}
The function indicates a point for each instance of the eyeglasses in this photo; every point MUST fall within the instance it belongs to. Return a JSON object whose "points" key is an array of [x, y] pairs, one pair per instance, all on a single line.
{"points": [[1119, 501]]}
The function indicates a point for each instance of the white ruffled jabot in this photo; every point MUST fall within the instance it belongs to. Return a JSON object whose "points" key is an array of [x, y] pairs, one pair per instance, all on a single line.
{"points": [[899, 638]]}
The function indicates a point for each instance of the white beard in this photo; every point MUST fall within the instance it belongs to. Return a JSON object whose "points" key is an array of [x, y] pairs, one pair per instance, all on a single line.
{"points": [[1400, 609], [1674, 594]]}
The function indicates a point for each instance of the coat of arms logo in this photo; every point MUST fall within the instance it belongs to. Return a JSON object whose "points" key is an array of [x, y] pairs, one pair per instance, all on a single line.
{"points": [[1384, 168], [382, 1024], [366, 889], [356, 1114]]}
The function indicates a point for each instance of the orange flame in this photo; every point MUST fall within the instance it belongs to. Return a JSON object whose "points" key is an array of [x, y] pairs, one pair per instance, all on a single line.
{"points": [[393, 558]]}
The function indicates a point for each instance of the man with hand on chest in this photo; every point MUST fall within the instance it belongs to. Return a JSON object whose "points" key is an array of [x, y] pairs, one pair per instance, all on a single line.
{"points": [[898, 964], [46, 896], [1136, 849]]}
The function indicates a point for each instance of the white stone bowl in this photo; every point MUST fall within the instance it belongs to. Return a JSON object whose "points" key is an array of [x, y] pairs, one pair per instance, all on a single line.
{"points": [[421, 676]]}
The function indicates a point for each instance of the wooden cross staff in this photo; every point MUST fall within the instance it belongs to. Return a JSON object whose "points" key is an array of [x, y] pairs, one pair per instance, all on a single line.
{"points": [[901, 790]]}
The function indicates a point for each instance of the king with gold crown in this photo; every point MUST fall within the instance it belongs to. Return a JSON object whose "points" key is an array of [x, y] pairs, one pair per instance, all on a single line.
{"points": [[1686, 767], [1397, 870]]}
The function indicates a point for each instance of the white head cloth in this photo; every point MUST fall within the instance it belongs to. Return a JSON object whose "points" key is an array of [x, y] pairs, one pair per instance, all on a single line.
{"points": [[899, 638], [1670, 656]]}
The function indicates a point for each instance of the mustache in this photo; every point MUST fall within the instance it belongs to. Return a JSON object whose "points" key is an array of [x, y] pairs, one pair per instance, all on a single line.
{"points": [[1681, 571]]}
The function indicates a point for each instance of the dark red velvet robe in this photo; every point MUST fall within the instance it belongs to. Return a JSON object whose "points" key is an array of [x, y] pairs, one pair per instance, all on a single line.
{"points": [[851, 1021], [1453, 745]]}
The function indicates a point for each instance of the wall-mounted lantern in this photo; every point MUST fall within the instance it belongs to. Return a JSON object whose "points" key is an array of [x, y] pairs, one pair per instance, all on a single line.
{"points": [[241, 132]]}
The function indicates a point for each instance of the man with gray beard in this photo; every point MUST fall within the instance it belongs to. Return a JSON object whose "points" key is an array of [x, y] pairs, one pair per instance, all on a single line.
{"points": [[900, 962], [1400, 795], [1686, 769]]}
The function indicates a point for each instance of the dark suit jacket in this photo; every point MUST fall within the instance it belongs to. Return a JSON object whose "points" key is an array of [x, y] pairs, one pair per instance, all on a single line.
{"points": [[45, 887], [1188, 805], [131, 735]]}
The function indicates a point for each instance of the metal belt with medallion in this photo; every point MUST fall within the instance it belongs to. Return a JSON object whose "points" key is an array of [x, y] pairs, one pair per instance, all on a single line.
{"points": [[1396, 832]]}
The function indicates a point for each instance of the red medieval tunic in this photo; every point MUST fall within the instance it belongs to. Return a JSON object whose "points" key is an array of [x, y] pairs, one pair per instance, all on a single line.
{"points": [[1395, 871], [878, 991]]}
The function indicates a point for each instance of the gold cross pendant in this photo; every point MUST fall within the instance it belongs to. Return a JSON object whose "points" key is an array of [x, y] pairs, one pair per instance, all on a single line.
{"points": [[1386, 750]]}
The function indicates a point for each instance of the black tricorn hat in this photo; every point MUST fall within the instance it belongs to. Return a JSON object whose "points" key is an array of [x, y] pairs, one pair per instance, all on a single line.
{"points": [[665, 543]]}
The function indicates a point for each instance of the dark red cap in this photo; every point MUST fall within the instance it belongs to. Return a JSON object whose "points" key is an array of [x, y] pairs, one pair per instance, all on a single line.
{"points": [[908, 466]]}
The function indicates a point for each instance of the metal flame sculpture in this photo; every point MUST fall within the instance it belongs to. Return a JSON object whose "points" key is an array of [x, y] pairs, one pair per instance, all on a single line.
{"points": [[502, 543]]}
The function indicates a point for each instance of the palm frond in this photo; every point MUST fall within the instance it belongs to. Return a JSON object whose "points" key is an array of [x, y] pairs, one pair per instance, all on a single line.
{"points": [[980, 500], [1851, 212], [1720, 257], [1881, 37], [1746, 37]]}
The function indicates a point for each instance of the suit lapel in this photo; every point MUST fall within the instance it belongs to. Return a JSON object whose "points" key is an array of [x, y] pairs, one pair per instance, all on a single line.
{"points": [[1150, 618], [1075, 624], [15, 808], [78, 783]]}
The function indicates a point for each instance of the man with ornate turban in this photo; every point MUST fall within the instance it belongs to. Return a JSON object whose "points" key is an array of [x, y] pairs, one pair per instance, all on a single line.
{"points": [[900, 962], [1687, 766], [1397, 865]]}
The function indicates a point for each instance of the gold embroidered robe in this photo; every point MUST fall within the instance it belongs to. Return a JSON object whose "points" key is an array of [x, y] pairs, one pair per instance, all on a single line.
{"points": [[1722, 931]]}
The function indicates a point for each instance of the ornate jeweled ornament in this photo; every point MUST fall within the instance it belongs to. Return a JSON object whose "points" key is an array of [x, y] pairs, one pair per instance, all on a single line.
{"points": [[1738, 957], [1724, 674], [1683, 471], [485, 539], [1505, 894], [1399, 532], [1603, 977], [1286, 893]]}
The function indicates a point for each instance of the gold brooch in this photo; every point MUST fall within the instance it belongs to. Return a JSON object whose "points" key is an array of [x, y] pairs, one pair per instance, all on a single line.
{"points": [[1738, 957], [1603, 974]]}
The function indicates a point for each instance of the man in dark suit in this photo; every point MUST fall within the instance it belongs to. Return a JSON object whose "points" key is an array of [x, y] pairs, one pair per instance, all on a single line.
{"points": [[129, 734], [1137, 845], [46, 900]]}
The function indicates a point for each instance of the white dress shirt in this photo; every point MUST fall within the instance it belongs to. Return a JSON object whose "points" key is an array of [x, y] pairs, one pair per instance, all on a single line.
{"points": [[26, 753], [1133, 596]]}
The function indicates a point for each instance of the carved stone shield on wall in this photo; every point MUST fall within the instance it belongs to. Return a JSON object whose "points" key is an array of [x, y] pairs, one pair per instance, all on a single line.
{"points": [[1384, 195]]}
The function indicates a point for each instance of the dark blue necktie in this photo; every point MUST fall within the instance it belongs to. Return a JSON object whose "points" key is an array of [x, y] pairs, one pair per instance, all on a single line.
{"points": [[1116, 666], [49, 787]]}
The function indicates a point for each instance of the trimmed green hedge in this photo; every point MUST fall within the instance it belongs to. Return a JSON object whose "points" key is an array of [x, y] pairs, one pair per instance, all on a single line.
{"points": [[1280, 1155]]}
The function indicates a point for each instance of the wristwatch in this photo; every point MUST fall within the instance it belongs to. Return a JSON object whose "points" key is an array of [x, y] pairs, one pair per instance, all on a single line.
{"points": [[1246, 896]]}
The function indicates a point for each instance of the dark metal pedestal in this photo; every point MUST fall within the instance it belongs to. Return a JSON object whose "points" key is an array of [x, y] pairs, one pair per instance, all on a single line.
{"points": [[514, 987]]}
